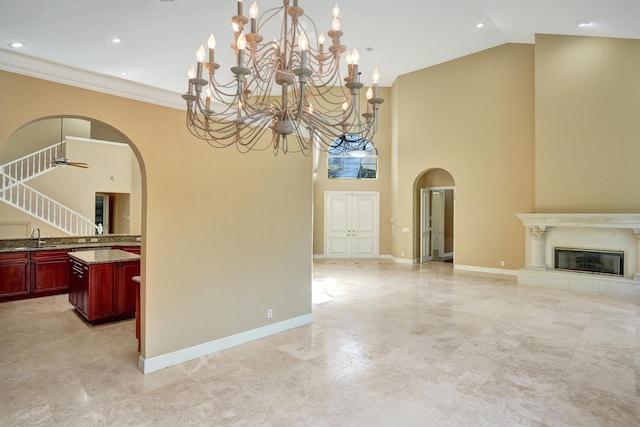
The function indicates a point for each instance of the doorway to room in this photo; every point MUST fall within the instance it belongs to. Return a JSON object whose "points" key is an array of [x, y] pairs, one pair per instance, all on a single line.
{"points": [[435, 217], [112, 212]]}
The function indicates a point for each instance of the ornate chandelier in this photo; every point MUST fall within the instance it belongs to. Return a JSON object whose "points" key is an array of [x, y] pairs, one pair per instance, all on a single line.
{"points": [[288, 87]]}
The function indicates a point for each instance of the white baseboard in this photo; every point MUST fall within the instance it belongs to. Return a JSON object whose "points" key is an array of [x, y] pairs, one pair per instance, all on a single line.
{"points": [[169, 359], [321, 256], [405, 260], [485, 269]]}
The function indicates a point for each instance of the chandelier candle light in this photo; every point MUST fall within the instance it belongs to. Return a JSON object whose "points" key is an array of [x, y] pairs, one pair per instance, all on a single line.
{"points": [[289, 87]]}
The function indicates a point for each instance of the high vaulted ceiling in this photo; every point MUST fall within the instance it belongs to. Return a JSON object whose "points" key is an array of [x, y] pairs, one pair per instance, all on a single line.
{"points": [[159, 37]]}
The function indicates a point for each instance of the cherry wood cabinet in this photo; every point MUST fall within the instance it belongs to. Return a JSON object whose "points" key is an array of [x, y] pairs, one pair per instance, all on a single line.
{"points": [[104, 292], [29, 274], [127, 288], [39, 272], [49, 271], [15, 275]]}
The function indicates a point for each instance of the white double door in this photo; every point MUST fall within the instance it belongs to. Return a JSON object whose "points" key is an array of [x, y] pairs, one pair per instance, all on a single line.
{"points": [[351, 224]]}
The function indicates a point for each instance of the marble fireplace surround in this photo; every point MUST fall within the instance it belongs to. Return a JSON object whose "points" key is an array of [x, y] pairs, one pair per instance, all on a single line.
{"points": [[609, 232]]}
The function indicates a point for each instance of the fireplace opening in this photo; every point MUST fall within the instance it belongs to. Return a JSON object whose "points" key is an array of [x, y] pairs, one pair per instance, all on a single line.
{"points": [[590, 261]]}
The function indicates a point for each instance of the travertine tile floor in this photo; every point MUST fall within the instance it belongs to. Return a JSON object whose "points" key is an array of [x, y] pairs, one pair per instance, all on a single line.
{"points": [[393, 345]]}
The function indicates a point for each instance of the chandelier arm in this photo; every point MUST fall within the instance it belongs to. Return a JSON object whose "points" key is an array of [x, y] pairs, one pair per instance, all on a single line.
{"points": [[290, 88], [269, 14]]}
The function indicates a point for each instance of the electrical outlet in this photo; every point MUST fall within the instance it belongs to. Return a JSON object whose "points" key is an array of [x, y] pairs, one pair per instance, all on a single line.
{"points": [[501, 263], [269, 313]]}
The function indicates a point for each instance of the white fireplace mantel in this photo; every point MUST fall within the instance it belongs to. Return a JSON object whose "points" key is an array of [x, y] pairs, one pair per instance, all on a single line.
{"points": [[581, 220], [546, 231]]}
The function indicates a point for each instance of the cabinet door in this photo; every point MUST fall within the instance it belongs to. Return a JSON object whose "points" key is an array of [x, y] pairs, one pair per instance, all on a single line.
{"points": [[127, 289], [14, 274], [79, 286], [49, 271], [103, 292]]}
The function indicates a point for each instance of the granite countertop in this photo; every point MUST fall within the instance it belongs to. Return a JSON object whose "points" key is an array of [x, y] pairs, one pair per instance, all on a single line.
{"points": [[67, 246], [103, 256]]}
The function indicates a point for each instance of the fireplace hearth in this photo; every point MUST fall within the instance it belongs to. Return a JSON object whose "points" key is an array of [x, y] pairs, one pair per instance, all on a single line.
{"points": [[597, 253]]}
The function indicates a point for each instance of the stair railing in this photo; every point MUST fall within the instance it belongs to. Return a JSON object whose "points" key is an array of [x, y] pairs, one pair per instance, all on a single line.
{"points": [[31, 165], [32, 202]]}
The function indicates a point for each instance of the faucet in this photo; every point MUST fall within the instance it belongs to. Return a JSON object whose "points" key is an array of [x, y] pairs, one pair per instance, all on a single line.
{"points": [[33, 235]]}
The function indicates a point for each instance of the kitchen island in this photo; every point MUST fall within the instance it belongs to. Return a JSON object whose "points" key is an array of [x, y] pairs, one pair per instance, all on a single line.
{"points": [[101, 286]]}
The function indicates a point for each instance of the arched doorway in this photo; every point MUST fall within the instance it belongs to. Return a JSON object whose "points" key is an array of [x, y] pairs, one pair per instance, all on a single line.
{"points": [[434, 213], [32, 157]]}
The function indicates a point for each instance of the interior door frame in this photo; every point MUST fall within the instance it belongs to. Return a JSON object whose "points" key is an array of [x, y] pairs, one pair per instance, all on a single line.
{"points": [[426, 251], [437, 220], [425, 209]]}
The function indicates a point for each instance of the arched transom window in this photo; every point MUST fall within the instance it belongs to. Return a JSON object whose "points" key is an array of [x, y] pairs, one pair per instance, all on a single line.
{"points": [[352, 158]]}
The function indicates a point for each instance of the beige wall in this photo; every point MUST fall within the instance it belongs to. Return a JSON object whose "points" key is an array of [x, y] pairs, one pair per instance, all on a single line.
{"points": [[587, 124], [225, 235], [382, 141], [474, 118]]}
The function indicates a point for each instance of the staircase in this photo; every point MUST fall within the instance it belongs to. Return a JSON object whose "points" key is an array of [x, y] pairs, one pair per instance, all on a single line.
{"points": [[16, 193]]}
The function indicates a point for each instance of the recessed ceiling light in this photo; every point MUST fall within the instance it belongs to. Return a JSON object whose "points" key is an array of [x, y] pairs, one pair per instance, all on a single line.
{"points": [[17, 44], [480, 25], [115, 40], [583, 24], [124, 73]]}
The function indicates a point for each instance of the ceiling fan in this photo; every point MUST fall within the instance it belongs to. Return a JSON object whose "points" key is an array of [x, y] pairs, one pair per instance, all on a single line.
{"points": [[61, 159]]}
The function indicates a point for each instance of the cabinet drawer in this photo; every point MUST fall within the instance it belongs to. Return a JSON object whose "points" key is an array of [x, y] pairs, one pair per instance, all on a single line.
{"points": [[49, 255], [12, 257]]}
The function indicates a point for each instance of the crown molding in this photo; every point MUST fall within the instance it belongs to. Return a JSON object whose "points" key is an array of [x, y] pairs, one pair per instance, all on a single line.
{"points": [[98, 82]]}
